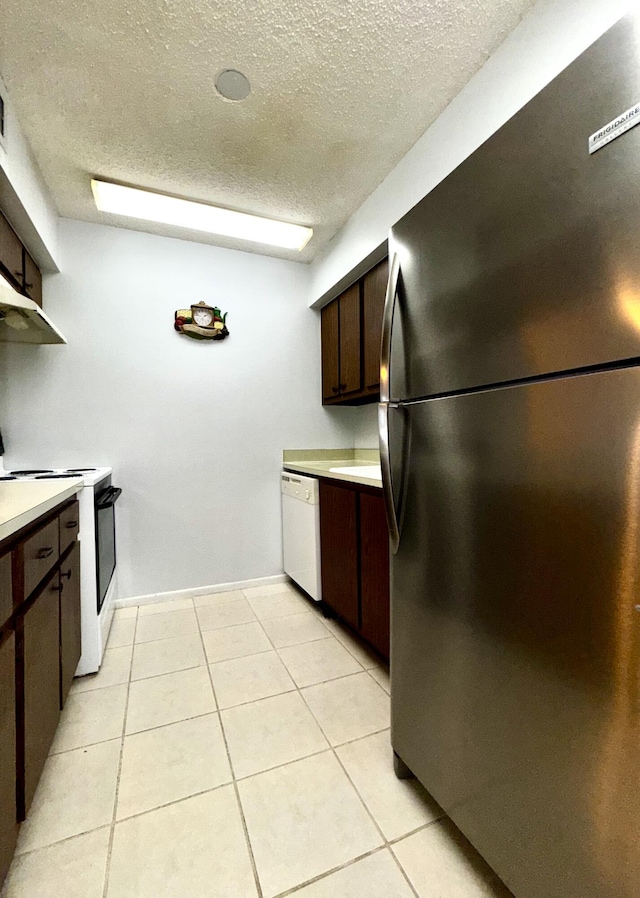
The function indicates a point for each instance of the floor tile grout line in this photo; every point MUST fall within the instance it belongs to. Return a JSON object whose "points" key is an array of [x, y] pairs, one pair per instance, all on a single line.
{"points": [[418, 829], [252, 860], [112, 831], [308, 882], [85, 832], [168, 804], [376, 824], [170, 723]]}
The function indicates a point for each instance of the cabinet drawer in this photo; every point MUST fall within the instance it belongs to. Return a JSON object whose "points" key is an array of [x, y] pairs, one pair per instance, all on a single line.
{"points": [[41, 552], [6, 597], [69, 524]]}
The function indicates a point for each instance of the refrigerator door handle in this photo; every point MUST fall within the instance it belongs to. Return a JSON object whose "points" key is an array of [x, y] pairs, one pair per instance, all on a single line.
{"points": [[387, 327], [387, 486]]}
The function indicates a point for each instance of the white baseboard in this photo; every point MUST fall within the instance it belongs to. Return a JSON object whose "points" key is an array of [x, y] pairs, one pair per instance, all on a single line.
{"points": [[199, 591]]}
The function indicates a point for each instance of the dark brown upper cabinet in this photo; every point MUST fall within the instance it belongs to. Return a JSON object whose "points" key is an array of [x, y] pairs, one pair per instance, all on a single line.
{"points": [[351, 334], [16, 264], [330, 328], [32, 279], [11, 254], [350, 341], [374, 290]]}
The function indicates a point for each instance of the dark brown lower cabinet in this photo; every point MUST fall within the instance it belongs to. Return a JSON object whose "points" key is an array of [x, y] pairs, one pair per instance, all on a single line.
{"points": [[40, 646], [354, 549], [39, 676], [70, 633], [339, 550], [374, 572], [8, 819]]}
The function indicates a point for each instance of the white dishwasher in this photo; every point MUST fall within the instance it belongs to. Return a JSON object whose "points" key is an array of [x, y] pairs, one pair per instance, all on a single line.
{"points": [[301, 531]]}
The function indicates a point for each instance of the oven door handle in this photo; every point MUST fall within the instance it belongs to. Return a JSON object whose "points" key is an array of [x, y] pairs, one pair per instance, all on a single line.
{"points": [[109, 497]]}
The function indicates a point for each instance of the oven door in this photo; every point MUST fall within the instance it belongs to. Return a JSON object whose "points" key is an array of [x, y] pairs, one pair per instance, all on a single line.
{"points": [[105, 500]]}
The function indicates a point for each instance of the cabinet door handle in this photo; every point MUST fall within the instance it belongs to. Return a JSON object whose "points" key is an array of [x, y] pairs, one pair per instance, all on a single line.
{"points": [[18, 274], [56, 588], [28, 286], [45, 552], [343, 386], [335, 389], [71, 524], [66, 574]]}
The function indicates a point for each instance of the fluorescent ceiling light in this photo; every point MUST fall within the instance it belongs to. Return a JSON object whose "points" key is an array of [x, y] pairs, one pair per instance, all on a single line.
{"points": [[136, 203]]}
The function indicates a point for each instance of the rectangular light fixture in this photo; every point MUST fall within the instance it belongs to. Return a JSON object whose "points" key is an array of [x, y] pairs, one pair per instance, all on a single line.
{"points": [[148, 206]]}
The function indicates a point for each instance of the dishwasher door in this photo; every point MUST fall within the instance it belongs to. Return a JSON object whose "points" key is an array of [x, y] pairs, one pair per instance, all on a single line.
{"points": [[301, 531]]}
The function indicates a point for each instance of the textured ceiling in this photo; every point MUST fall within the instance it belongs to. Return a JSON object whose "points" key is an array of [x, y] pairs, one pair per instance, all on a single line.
{"points": [[124, 90]]}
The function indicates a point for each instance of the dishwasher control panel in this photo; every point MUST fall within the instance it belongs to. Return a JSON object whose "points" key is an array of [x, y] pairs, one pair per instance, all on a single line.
{"points": [[298, 487]]}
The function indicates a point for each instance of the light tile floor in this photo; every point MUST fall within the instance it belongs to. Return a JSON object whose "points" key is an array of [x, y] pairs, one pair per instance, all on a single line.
{"points": [[235, 746]]}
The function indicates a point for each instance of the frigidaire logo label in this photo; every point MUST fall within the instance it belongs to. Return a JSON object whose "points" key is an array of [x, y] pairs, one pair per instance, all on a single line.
{"points": [[615, 128]]}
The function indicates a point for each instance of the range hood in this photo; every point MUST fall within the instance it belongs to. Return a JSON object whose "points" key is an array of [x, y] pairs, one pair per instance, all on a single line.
{"points": [[23, 321]]}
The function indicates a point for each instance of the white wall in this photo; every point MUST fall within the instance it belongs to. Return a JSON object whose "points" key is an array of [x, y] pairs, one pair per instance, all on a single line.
{"points": [[194, 431], [366, 427], [550, 37], [25, 197]]}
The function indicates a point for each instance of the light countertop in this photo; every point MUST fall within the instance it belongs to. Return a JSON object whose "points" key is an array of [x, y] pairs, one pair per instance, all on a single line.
{"points": [[22, 501], [318, 463]]}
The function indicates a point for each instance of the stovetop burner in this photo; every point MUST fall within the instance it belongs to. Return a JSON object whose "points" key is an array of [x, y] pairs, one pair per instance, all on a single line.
{"points": [[24, 473], [53, 476], [81, 470], [8, 477]]}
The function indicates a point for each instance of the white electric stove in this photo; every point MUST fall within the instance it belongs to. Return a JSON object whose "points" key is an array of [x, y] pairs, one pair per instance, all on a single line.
{"points": [[97, 554]]}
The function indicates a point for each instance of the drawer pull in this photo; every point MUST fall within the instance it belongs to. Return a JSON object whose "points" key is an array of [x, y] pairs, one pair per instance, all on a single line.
{"points": [[45, 552], [71, 524], [66, 574]]}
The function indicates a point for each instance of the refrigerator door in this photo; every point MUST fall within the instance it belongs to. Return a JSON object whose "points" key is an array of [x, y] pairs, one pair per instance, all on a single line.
{"points": [[515, 644], [525, 259]]}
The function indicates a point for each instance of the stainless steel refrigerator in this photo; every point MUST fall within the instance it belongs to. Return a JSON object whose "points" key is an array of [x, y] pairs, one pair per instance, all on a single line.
{"points": [[510, 437]]}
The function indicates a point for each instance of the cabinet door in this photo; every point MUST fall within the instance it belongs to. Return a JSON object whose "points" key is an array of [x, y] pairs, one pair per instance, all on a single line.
{"points": [[32, 279], [70, 639], [8, 824], [374, 573], [40, 674], [339, 550], [6, 595], [350, 345], [10, 252], [330, 350], [374, 289]]}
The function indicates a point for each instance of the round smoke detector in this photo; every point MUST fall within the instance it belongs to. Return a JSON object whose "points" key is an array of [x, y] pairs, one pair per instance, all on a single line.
{"points": [[233, 85]]}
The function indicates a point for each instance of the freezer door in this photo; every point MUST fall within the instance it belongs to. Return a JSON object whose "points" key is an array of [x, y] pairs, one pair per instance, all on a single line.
{"points": [[515, 642], [525, 259]]}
